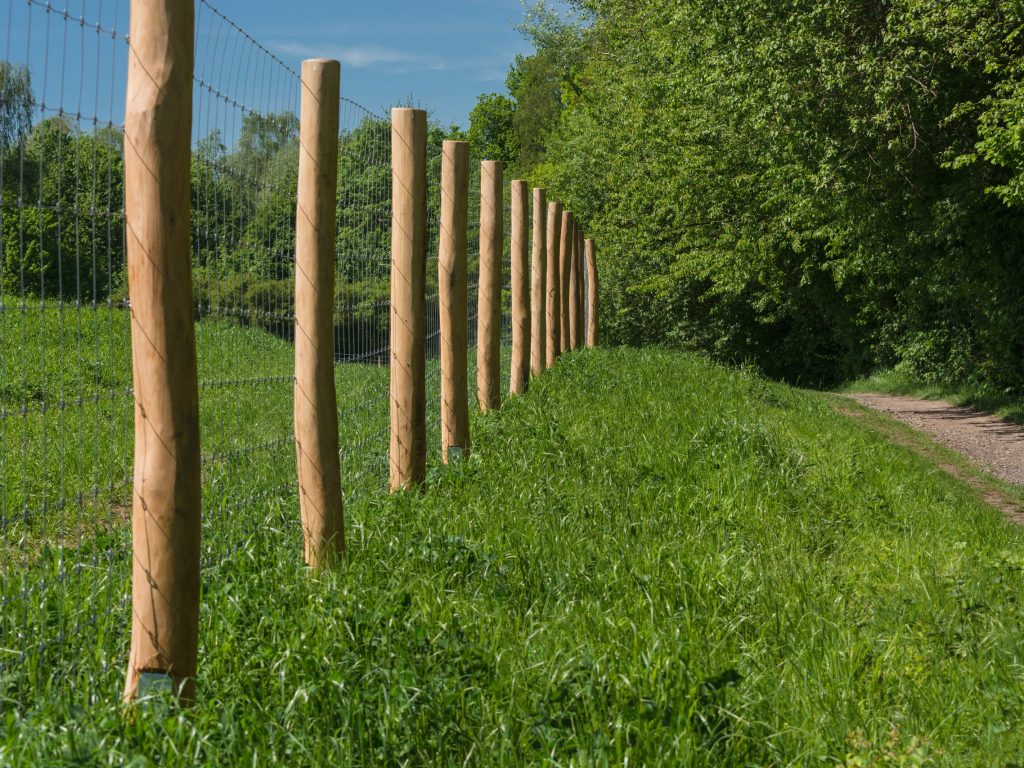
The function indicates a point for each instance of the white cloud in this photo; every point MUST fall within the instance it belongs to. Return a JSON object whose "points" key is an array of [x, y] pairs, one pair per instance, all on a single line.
{"points": [[365, 57]]}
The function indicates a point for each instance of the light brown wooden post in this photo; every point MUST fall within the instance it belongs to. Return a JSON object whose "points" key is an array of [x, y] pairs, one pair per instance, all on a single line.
{"points": [[538, 282], [592, 314], [575, 327], [166, 496], [554, 283], [488, 365], [452, 290], [581, 298], [520, 267], [565, 256], [316, 401], [408, 450]]}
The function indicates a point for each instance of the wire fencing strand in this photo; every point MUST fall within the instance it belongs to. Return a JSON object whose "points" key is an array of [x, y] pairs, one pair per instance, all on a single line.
{"points": [[66, 405]]}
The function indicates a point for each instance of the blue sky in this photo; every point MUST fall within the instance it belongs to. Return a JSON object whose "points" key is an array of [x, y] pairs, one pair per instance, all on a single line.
{"points": [[441, 53]]}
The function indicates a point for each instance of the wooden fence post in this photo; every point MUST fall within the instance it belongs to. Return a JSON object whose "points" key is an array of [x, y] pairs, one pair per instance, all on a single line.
{"points": [[408, 449], [520, 268], [538, 281], [592, 315], [492, 241], [316, 401], [167, 495], [452, 289], [575, 327], [581, 298], [565, 255], [554, 282]]}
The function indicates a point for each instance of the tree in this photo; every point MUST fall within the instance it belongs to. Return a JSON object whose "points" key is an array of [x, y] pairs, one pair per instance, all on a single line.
{"points": [[817, 186], [16, 101], [66, 239], [492, 132]]}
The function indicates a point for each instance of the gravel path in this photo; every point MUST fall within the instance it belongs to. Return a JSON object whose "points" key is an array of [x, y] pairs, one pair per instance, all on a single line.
{"points": [[992, 444]]}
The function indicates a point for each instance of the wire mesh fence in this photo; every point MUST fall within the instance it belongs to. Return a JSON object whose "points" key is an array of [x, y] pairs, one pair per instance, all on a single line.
{"points": [[66, 400], [244, 176], [65, 374]]}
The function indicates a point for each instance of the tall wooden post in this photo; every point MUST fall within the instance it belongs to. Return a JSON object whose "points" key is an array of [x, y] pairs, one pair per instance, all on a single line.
{"points": [[452, 289], [581, 298], [554, 283], [575, 327], [166, 496], [492, 240], [520, 268], [565, 254], [592, 314], [538, 282], [408, 450], [316, 401]]}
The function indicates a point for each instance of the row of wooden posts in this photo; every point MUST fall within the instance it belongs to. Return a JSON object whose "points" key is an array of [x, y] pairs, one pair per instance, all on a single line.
{"points": [[547, 319], [548, 312]]}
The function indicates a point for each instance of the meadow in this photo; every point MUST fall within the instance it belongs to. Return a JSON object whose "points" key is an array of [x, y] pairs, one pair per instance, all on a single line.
{"points": [[649, 558]]}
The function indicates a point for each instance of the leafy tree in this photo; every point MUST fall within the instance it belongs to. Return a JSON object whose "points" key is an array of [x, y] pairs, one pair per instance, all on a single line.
{"points": [[66, 239], [492, 131], [16, 102], [819, 186], [364, 202]]}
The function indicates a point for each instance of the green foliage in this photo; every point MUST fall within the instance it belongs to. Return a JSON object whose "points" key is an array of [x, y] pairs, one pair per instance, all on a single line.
{"points": [[492, 132], [364, 202], [536, 85], [62, 225], [817, 187], [15, 104], [61, 220], [244, 200], [647, 560]]}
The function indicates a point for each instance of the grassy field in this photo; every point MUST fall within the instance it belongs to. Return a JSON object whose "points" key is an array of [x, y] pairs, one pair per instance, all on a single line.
{"points": [[65, 470], [649, 558]]}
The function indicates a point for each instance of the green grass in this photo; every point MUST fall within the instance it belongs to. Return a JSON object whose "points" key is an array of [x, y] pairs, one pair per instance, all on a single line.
{"points": [[65, 467], [66, 463], [648, 558], [891, 382], [66, 431]]}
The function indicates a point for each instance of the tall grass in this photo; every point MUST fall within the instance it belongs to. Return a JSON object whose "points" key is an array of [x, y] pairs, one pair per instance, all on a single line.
{"points": [[648, 558]]}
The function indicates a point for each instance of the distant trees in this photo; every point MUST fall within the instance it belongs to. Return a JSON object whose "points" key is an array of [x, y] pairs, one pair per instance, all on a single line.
{"points": [[61, 226], [492, 133], [15, 104]]}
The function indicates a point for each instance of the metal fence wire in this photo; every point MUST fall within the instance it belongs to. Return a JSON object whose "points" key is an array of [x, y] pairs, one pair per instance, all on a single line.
{"points": [[65, 369], [66, 404]]}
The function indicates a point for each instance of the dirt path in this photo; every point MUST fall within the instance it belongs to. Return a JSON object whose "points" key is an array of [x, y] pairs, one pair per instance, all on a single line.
{"points": [[990, 443], [987, 446]]}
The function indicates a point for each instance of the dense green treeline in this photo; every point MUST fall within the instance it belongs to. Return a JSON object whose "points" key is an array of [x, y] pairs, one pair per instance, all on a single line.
{"points": [[62, 220], [823, 188]]}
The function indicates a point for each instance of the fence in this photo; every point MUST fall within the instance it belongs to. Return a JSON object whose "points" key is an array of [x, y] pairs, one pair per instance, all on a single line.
{"points": [[67, 400]]}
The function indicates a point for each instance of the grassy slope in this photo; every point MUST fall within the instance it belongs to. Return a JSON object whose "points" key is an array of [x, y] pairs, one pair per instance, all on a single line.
{"points": [[647, 556]]}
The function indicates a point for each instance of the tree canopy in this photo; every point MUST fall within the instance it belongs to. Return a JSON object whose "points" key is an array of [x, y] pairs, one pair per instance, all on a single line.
{"points": [[820, 187]]}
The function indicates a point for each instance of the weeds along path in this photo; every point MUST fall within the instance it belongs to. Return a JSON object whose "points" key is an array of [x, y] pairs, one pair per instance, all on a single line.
{"points": [[986, 443]]}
